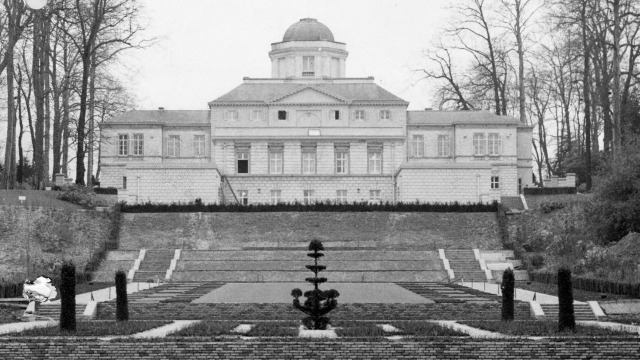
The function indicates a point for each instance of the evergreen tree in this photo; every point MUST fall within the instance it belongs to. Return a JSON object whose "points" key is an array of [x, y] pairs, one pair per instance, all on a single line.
{"points": [[566, 317], [508, 287], [122, 307], [68, 297]]}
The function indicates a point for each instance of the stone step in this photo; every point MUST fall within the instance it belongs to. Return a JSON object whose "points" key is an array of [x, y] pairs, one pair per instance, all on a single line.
{"points": [[298, 276], [414, 265], [149, 275], [581, 311], [288, 255]]}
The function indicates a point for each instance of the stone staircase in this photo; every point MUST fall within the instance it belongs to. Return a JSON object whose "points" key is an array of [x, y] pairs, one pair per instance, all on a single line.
{"points": [[114, 261], [582, 312], [154, 266], [464, 265], [53, 311], [288, 265]]}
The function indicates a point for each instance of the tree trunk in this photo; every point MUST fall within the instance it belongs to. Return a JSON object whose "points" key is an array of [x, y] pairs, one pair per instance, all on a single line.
{"points": [[47, 103], [92, 95], [9, 157], [586, 80], [617, 129]]}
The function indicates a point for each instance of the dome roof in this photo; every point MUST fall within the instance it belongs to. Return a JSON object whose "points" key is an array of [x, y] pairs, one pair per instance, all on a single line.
{"points": [[308, 30]]}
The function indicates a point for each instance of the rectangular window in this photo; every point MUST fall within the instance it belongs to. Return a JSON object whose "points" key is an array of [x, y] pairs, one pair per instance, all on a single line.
{"points": [[242, 160], [275, 160], [334, 115], [479, 144], [198, 145], [335, 67], [341, 196], [276, 196], [231, 115], [257, 115], [495, 182], [173, 146], [375, 160], [124, 182], [374, 197], [138, 144], [123, 144], [309, 160], [282, 115], [493, 144], [385, 115], [444, 146], [342, 160], [418, 146], [243, 197], [308, 66], [309, 197], [360, 115]]}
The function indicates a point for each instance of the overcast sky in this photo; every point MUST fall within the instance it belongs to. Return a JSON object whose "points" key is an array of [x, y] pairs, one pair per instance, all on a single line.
{"points": [[206, 47]]}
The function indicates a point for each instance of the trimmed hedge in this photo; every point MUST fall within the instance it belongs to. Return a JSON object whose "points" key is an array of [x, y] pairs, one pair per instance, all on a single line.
{"points": [[317, 207], [10, 290], [106, 191], [550, 190], [589, 284]]}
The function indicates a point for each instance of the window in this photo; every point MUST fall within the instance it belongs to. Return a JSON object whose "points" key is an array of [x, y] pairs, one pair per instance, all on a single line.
{"points": [[334, 115], [360, 115], [495, 182], [374, 197], [243, 197], [282, 115], [198, 145], [308, 159], [385, 115], [242, 160], [479, 144], [276, 196], [444, 146], [275, 160], [309, 197], [138, 144], [493, 144], [375, 160], [257, 115], [231, 115], [342, 160], [341, 196], [124, 182], [123, 144], [519, 185], [418, 145], [308, 66], [173, 146]]}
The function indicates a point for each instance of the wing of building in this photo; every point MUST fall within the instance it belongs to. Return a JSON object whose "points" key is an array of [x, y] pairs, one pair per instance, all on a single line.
{"points": [[309, 134]]}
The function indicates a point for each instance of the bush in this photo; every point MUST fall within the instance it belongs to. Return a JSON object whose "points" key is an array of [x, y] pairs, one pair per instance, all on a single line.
{"points": [[549, 190], [507, 287], [106, 191], [536, 261], [590, 284], [68, 297], [79, 195], [122, 307], [566, 316], [548, 207], [318, 207]]}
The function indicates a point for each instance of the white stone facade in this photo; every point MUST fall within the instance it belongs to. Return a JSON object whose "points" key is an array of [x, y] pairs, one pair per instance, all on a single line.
{"points": [[310, 133]]}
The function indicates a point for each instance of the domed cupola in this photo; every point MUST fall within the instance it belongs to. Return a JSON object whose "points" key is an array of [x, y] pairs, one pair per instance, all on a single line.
{"points": [[308, 50], [308, 30]]}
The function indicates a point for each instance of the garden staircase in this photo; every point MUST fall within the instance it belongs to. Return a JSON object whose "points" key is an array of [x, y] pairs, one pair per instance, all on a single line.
{"points": [[465, 266], [154, 266], [53, 311], [581, 311]]}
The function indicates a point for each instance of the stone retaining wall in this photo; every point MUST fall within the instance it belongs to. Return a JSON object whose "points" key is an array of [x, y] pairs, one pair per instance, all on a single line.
{"points": [[207, 349]]}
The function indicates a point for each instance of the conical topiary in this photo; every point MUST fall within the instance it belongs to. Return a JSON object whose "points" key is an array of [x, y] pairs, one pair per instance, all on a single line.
{"points": [[507, 286], [68, 297], [122, 308], [566, 316], [318, 302]]}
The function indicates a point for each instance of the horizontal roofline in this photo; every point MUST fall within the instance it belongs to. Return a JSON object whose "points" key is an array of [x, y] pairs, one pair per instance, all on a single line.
{"points": [[293, 41]]}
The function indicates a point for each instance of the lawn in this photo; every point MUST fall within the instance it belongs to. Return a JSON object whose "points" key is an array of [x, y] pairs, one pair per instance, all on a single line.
{"points": [[96, 328], [540, 328], [10, 314]]}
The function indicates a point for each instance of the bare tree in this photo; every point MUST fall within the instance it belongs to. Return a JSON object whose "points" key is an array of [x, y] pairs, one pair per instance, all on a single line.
{"points": [[440, 68]]}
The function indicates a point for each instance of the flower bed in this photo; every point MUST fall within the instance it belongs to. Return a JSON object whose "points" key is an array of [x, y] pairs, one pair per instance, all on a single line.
{"points": [[95, 328], [540, 328]]}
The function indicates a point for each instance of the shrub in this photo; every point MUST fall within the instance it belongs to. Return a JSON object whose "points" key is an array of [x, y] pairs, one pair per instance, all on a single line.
{"points": [[79, 195], [549, 190], [318, 303], [68, 297], [536, 261], [548, 207], [507, 287], [566, 316], [122, 308]]}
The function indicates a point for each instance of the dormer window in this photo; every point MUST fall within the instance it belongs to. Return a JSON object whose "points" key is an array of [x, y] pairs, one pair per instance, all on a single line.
{"points": [[308, 66], [282, 115], [231, 115]]}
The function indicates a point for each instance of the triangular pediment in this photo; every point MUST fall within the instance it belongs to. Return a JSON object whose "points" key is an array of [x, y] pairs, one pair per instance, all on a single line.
{"points": [[308, 95]]}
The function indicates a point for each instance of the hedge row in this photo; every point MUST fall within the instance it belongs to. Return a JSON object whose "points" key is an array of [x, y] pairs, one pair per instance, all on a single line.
{"points": [[10, 290], [106, 191], [589, 284], [317, 207], [550, 190]]}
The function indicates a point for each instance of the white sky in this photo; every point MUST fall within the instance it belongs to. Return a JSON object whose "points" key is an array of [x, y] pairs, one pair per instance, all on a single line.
{"points": [[206, 47]]}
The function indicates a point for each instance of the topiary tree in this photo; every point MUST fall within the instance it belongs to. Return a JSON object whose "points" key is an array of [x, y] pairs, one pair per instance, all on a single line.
{"points": [[122, 308], [318, 303], [68, 297], [566, 317], [507, 287]]}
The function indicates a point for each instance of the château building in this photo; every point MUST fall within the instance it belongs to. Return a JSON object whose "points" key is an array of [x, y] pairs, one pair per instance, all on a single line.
{"points": [[310, 133]]}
